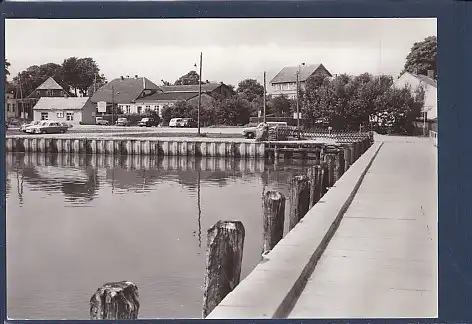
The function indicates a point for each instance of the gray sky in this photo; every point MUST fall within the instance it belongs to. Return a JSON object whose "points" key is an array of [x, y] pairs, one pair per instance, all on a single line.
{"points": [[233, 49]]}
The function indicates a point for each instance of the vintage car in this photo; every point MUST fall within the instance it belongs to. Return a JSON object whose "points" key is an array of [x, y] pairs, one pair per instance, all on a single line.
{"points": [[101, 121], [188, 122], [250, 131], [122, 122], [175, 122], [47, 127], [26, 125], [148, 122]]}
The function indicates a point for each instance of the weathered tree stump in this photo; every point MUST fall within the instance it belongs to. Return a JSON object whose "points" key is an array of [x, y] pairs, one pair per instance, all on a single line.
{"points": [[273, 219], [299, 199], [115, 301], [223, 265]]}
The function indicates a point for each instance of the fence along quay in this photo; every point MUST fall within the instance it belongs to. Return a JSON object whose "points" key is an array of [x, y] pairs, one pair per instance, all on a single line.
{"points": [[334, 155]]}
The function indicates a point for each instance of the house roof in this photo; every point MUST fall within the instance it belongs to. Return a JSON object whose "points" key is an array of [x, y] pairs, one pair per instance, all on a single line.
{"points": [[206, 87], [169, 96], [123, 90], [50, 84], [426, 80], [289, 73], [60, 103]]}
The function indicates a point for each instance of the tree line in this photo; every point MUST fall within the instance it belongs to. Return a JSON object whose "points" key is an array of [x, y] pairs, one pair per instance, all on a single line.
{"points": [[75, 75]]}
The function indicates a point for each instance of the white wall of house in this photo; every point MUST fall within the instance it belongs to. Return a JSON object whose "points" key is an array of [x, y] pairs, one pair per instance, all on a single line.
{"points": [[430, 93], [287, 89], [140, 107], [70, 117]]}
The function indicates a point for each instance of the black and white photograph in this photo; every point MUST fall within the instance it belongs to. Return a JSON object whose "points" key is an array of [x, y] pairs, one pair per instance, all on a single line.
{"points": [[221, 168]]}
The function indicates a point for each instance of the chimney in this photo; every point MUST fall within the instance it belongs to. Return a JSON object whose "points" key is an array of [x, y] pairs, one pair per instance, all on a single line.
{"points": [[122, 78], [431, 74], [127, 76], [136, 76]]}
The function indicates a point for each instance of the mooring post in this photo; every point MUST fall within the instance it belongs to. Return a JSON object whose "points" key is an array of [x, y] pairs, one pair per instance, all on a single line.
{"points": [[115, 301], [223, 265], [339, 165], [347, 157], [273, 219], [299, 199], [324, 178], [311, 174]]}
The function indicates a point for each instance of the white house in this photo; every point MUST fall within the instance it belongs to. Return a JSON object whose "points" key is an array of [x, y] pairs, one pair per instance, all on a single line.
{"points": [[285, 82], [430, 87], [72, 110]]}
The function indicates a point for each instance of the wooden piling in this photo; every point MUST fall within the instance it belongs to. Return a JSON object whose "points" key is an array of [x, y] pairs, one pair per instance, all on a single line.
{"points": [[223, 266], [314, 177], [299, 199], [347, 157], [273, 219], [115, 301], [324, 178], [339, 165]]}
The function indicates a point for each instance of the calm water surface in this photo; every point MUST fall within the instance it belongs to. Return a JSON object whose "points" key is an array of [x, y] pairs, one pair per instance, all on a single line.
{"points": [[76, 222]]}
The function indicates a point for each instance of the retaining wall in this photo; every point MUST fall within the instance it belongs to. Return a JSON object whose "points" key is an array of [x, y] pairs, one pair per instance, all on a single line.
{"points": [[135, 146]]}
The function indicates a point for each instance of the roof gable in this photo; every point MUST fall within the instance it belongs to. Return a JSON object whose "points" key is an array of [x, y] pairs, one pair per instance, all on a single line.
{"points": [[289, 73], [50, 84], [60, 103], [419, 78], [124, 90]]}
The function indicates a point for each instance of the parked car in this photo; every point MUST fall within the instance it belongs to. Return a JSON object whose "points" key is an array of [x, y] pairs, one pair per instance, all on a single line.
{"points": [[250, 132], [47, 127], [26, 125], [148, 122], [66, 124], [101, 121], [122, 122], [175, 122], [188, 122]]}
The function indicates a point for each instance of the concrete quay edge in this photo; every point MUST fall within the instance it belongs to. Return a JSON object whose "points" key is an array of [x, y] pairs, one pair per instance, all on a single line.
{"points": [[273, 287]]}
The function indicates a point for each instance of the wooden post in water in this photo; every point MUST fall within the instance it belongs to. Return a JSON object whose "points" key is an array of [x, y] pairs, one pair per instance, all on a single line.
{"points": [[347, 157], [299, 199], [115, 301], [273, 219], [314, 177], [339, 165], [324, 178], [223, 265]]}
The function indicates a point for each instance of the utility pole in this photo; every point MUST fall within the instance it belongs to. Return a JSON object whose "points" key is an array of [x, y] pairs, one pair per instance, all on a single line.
{"points": [[199, 94], [112, 105], [264, 97]]}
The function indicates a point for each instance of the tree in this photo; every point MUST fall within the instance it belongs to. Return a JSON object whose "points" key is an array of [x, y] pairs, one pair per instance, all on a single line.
{"points": [[422, 57], [233, 111], [191, 77], [250, 89], [7, 72], [81, 73], [280, 106]]}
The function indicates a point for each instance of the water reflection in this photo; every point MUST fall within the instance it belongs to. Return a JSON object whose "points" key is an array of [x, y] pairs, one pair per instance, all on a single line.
{"points": [[145, 220]]}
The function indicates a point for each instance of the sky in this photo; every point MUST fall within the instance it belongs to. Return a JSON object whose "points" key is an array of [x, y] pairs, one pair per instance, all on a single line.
{"points": [[233, 49]]}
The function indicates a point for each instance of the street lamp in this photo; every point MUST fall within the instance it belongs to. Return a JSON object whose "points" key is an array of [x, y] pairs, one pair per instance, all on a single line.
{"points": [[298, 98]]}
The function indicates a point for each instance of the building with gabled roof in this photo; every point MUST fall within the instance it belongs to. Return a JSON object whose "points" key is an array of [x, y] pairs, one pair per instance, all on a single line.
{"points": [[73, 110], [285, 82], [49, 88], [124, 91], [430, 87]]}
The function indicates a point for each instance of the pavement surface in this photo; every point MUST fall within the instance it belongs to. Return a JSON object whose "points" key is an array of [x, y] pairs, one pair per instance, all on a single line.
{"points": [[382, 260]]}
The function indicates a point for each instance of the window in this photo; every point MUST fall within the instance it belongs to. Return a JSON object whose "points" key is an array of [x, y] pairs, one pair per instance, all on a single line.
{"points": [[9, 107], [60, 114], [69, 116], [44, 116], [148, 107], [139, 109], [128, 109]]}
